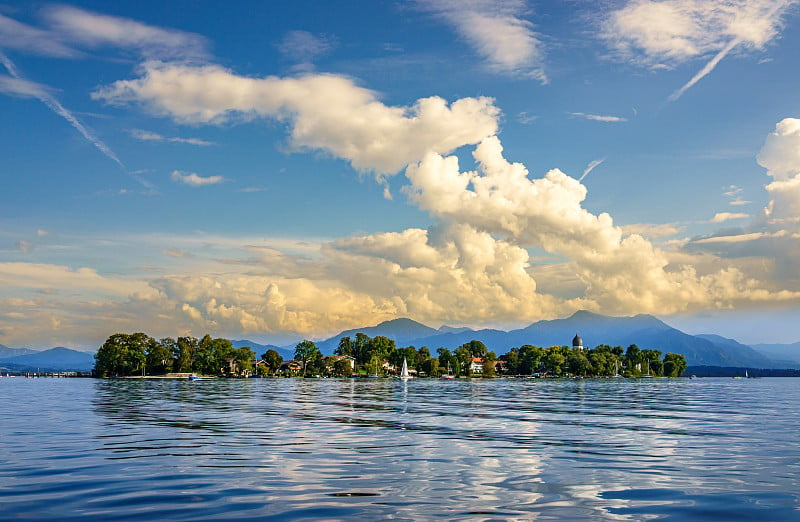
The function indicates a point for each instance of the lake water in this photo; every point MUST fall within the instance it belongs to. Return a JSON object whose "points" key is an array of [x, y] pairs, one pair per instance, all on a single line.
{"points": [[614, 449]]}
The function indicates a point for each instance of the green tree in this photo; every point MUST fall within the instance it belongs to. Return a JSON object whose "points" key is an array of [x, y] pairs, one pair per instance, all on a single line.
{"points": [[464, 360], [223, 354], [342, 368], [674, 365], [633, 359], [361, 348], [446, 359], [123, 354], [554, 360], [530, 359], [243, 357], [159, 356], [430, 366], [273, 360], [306, 352], [184, 354], [345, 347]]}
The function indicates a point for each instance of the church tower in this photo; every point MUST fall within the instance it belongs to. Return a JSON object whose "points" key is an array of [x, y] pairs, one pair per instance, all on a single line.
{"points": [[577, 343]]}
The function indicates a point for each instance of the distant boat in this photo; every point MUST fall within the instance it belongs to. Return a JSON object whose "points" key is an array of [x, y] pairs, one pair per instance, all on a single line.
{"points": [[193, 377], [449, 374], [404, 370]]}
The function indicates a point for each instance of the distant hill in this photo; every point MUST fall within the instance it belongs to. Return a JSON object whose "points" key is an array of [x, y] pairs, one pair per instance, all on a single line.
{"points": [[401, 330], [6, 352], [786, 352], [286, 353], [645, 331], [54, 359]]}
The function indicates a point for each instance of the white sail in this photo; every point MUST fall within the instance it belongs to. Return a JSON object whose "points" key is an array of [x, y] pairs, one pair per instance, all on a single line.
{"points": [[404, 371]]}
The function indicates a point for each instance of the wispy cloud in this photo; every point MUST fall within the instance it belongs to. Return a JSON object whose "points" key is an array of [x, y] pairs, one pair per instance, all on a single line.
{"points": [[94, 29], [176, 253], [45, 97], [19, 36], [663, 34], [721, 217], [497, 30], [590, 167], [193, 180], [304, 47], [599, 117], [144, 135]]}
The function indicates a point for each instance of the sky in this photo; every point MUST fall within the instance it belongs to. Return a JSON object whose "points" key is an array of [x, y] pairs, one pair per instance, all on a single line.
{"points": [[290, 169]]}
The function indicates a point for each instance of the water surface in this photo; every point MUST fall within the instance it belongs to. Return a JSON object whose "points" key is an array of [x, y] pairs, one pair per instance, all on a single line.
{"points": [[712, 449]]}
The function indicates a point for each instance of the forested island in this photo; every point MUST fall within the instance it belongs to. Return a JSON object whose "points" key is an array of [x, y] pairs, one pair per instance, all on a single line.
{"points": [[138, 354]]}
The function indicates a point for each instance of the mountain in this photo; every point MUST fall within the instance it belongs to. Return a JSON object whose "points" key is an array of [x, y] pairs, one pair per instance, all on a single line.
{"points": [[6, 352], [401, 330], [286, 353], [785, 352], [54, 359], [645, 331]]}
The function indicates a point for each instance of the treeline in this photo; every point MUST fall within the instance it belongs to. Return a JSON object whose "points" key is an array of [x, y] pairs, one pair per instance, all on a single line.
{"points": [[602, 361], [140, 354]]}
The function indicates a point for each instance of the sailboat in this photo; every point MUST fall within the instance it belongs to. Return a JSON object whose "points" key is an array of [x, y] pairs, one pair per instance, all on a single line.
{"points": [[404, 371], [449, 374]]}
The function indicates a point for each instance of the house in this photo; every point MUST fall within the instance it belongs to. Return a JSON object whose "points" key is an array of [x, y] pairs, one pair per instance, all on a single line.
{"points": [[330, 360], [290, 367], [476, 366]]}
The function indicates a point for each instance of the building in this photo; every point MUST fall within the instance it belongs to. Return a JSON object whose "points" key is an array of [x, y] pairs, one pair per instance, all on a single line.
{"points": [[577, 343]]}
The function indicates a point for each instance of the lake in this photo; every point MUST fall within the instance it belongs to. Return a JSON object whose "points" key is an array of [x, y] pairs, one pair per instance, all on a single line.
{"points": [[292, 449]]}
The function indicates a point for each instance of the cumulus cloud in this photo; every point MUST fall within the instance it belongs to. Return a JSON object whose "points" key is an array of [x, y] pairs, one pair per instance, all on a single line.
{"points": [[194, 180], [324, 112], [671, 32], [144, 135], [773, 235], [498, 30], [599, 117], [619, 272]]}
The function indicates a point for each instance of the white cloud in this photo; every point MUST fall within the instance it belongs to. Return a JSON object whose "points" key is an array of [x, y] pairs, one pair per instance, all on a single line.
{"points": [[194, 180], [94, 29], [599, 117], [721, 217], [325, 112], [144, 135], [619, 273], [19, 36], [497, 30], [671, 32], [590, 167], [304, 47], [21, 87]]}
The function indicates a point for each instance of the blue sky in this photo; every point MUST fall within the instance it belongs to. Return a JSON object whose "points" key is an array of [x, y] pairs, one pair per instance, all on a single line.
{"points": [[281, 170]]}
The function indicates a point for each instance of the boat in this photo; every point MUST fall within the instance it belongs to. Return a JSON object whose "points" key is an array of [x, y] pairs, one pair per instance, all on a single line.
{"points": [[193, 377], [449, 374], [404, 370]]}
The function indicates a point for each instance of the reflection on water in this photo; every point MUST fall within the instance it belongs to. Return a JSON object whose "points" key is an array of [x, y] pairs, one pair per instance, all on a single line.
{"points": [[420, 449]]}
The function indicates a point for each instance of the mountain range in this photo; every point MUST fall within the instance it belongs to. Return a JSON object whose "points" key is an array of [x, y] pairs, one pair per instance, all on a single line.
{"points": [[55, 359], [645, 331]]}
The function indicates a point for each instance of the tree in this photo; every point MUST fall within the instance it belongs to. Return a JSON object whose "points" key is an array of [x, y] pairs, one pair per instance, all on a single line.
{"points": [[464, 361], [342, 368], [475, 348], [243, 358], [361, 348], [223, 354], [159, 356], [272, 359], [345, 347], [446, 359], [123, 354], [674, 365], [306, 352], [530, 359], [184, 353], [633, 359]]}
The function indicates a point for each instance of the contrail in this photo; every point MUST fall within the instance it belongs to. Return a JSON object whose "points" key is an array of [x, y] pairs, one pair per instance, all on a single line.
{"points": [[590, 168], [59, 109], [705, 70]]}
